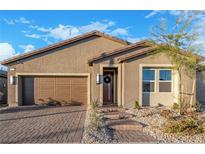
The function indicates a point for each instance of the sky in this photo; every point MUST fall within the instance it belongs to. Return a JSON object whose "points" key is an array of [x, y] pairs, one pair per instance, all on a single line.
{"points": [[24, 31]]}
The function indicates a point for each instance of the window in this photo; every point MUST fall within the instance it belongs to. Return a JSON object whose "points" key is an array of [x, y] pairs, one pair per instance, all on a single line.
{"points": [[161, 78], [148, 74], [165, 80], [148, 80], [165, 75]]}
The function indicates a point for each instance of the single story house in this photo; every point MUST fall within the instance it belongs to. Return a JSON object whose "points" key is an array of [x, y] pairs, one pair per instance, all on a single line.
{"points": [[3, 87], [95, 66]]}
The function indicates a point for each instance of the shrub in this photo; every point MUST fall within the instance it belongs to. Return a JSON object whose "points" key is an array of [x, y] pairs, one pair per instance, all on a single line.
{"points": [[186, 126], [175, 106], [94, 105], [166, 113], [197, 106], [95, 115], [137, 106]]}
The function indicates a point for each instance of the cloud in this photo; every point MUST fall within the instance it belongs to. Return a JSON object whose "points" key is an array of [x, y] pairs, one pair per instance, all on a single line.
{"points": [[27, 48], [21, 20], [63, 32], [101, 26], [135, 39], [36, 36], [6, 51], [153, 13], [41, 29], [119, 31], [9, 21], [25, 31]]}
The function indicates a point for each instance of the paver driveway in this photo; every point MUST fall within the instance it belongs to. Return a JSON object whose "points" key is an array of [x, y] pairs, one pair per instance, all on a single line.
{"points": [[42, 124]]}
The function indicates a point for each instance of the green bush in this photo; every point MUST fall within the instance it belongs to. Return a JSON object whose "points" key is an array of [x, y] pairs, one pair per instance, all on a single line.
{"points": [[186, 126], [137, 106]]}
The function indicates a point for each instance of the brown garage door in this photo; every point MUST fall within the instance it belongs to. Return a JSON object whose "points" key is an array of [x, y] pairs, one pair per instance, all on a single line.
{"points": [[37, 90]]}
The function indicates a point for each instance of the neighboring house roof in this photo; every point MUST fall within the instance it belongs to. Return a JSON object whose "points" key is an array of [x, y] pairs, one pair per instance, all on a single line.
{"points": [[143, 43], [60, 44]]}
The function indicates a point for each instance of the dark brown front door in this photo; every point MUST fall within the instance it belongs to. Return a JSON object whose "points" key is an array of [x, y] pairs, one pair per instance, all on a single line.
{"points": [[108, 85]]}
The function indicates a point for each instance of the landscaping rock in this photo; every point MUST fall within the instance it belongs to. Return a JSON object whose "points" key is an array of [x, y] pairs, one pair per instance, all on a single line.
{"points": [[95, 135], [153, 124]]}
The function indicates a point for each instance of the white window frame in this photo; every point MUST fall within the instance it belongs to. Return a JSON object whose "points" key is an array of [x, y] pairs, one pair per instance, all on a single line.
{"points": [[158, 69], [149, 80], [157, 79]]}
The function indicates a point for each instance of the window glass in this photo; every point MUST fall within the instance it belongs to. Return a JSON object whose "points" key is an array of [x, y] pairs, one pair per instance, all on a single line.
{"points": [[148, 74], [165, 75], [165, 87], [148, 86]]}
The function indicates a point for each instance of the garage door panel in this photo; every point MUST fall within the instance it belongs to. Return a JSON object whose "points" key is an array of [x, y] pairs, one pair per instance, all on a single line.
{"points": [[63, 81], [79, 81], [63, 92], [59, 89], [78, 93]]}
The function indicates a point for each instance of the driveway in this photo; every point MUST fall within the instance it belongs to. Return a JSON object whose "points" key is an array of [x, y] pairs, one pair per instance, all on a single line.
{"points": [[42, 124]]}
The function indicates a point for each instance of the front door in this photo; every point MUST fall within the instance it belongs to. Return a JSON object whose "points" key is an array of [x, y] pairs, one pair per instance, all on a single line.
{"points": [[108, 88]]}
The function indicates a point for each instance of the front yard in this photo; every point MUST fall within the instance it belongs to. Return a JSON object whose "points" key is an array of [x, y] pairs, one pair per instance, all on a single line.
{"points": [[168, 126], [146, 125]]}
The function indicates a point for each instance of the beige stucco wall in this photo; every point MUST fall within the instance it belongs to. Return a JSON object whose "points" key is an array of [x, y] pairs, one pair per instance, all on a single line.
{"points": [[132, 82], [68, 59]]}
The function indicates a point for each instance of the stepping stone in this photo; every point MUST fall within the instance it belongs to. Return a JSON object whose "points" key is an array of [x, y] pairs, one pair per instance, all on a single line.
{"points": [[118, 116], [124, 124]]}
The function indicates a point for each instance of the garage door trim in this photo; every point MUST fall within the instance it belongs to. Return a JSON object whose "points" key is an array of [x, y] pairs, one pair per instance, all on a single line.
{"points": [[19, 75]]}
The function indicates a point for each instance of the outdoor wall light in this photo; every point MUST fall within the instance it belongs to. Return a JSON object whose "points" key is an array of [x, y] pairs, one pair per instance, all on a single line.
{"points": [[12, 80], [12, 69], [98, 79]]}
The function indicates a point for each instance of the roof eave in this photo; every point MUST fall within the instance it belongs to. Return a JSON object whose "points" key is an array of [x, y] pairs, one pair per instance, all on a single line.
{"points": [[119, 50], [60, 44]]}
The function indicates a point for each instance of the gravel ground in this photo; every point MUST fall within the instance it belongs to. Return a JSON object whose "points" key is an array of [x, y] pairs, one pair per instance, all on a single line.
{"points": [[92, 135], [153, 123]]}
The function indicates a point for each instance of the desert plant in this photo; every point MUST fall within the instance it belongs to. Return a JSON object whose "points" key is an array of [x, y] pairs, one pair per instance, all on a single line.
{"points": [[94, 105], [175, 106], [95, 115], [53, 102], [166, 113], [186, 126], [160, 105], [137, 106], [197, 106]]}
